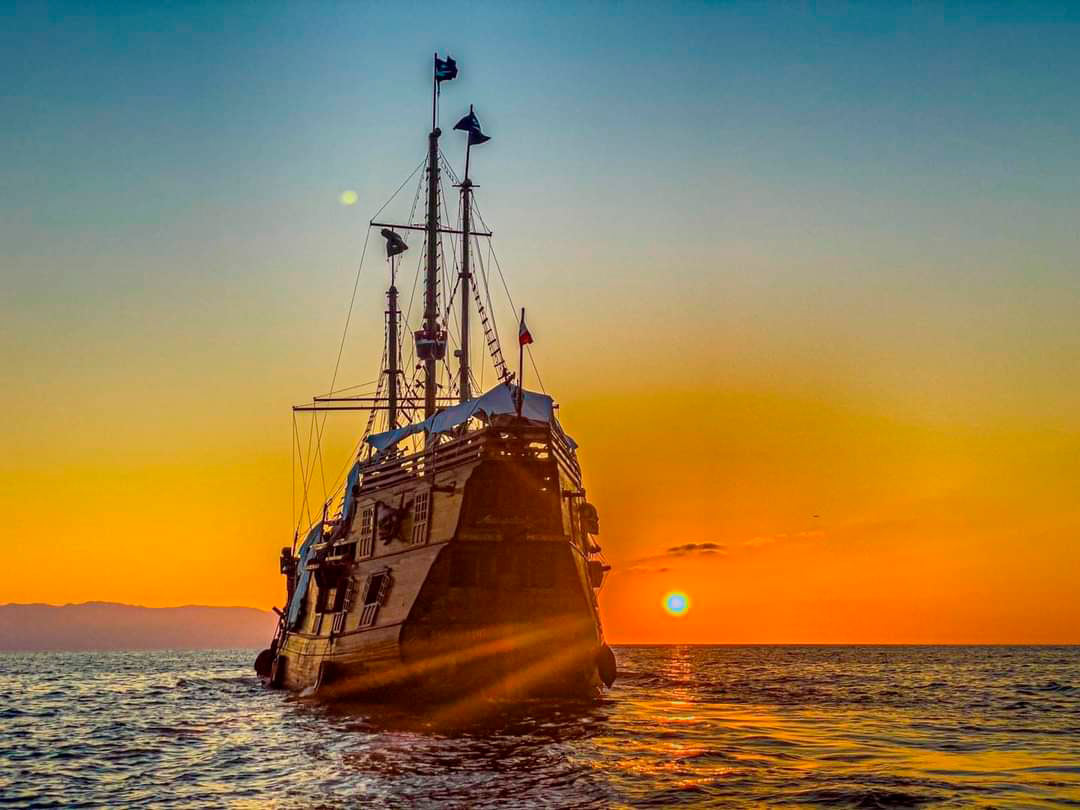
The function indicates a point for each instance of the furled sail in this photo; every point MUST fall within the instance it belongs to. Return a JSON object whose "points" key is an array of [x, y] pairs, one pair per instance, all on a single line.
{"points": [[499, 400]]}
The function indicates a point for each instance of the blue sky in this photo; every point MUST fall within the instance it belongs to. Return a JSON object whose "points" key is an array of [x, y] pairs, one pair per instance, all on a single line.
{"points": [[177, 167]]}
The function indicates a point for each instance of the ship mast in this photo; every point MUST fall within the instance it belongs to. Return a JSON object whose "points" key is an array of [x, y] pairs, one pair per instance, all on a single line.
{"points": [[431, 271], [392, 337], [430, 338], [395, 246], [470, 125], [464, 388]]}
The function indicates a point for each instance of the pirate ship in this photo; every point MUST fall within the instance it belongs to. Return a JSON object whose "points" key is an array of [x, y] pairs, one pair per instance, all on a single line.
{"points": [[458, 557]]}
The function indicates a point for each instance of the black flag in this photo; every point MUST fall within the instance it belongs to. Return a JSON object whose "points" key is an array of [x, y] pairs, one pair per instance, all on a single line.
{"points": [[472, 126], [445, 69], [394, 243]]}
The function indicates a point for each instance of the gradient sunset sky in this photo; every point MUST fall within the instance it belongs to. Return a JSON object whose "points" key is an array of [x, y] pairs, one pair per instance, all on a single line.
{"points": [[804, 281]]}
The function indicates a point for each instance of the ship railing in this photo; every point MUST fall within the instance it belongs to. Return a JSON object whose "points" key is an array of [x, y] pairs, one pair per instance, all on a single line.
{"points": [[539, 440]]}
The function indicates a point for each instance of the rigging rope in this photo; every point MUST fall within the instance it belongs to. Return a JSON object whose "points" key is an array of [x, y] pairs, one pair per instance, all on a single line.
{"points": [[363, 253], [419, 166], [305, 508], [528, 349], [494, 351], [449, 288], [318, 425]]}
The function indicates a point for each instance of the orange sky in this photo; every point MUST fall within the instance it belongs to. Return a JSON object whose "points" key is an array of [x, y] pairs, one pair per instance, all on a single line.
{"points": [[827, 522]]}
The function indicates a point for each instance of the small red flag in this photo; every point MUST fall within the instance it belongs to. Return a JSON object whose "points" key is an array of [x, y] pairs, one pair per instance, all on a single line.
{"points": [[524, 335]]}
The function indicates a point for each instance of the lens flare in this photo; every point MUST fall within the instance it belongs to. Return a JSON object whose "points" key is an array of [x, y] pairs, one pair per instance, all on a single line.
{"points": [[349, 197], [676, 603]]}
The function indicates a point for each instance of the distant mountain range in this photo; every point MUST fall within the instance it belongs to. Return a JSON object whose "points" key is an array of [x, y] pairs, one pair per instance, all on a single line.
{"points": [[112, 626]]}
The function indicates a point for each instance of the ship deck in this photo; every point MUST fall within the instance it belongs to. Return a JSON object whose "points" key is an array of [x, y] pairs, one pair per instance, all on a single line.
{"points": [[540, 441]]}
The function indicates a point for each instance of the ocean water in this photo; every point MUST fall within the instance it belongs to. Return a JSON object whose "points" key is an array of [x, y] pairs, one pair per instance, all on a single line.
{"points": [[684, 727]]}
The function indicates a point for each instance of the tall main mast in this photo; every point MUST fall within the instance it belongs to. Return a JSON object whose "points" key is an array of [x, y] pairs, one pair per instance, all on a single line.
{"points": [[431, 272]]}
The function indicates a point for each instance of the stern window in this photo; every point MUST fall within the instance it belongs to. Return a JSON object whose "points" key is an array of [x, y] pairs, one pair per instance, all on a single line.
{"points": [[421, 514], [373, 594], [367, 531], [375, 591]]}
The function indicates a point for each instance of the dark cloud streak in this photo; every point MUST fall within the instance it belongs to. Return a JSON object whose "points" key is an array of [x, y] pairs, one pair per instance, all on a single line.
{"points": [[696, 548]]}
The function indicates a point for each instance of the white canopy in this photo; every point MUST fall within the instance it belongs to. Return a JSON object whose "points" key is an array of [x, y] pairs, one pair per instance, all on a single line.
{"points": [[500, 399]]}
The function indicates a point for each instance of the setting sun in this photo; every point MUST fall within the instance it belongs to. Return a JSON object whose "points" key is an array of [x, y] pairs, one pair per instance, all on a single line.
{"points": [[676, 603]]}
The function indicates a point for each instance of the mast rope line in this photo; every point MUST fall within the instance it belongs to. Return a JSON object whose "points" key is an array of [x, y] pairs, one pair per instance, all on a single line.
{"points": [[412, 301], [363, 253], [298, 457], [453, 325], [295, 452], [347, 388], [306, 472], [337, 362], [491, 334], [339, 480], [502, 278], [356, 282], [488, 320], [359, 449], [319, 452], [308, 476], [444, 367], [450, 286], [310, 457], [305, 509], [451, 320], [399, 188], [490, 327], [494, 346], [316, 429], [407, 314]]}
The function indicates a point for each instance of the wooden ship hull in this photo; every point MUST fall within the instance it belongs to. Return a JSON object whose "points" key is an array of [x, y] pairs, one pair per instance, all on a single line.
{"points": [[466, 571], [465, 564]]}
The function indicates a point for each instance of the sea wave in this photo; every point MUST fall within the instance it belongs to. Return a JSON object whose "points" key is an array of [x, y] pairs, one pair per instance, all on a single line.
{"points": [[860, 727]]}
